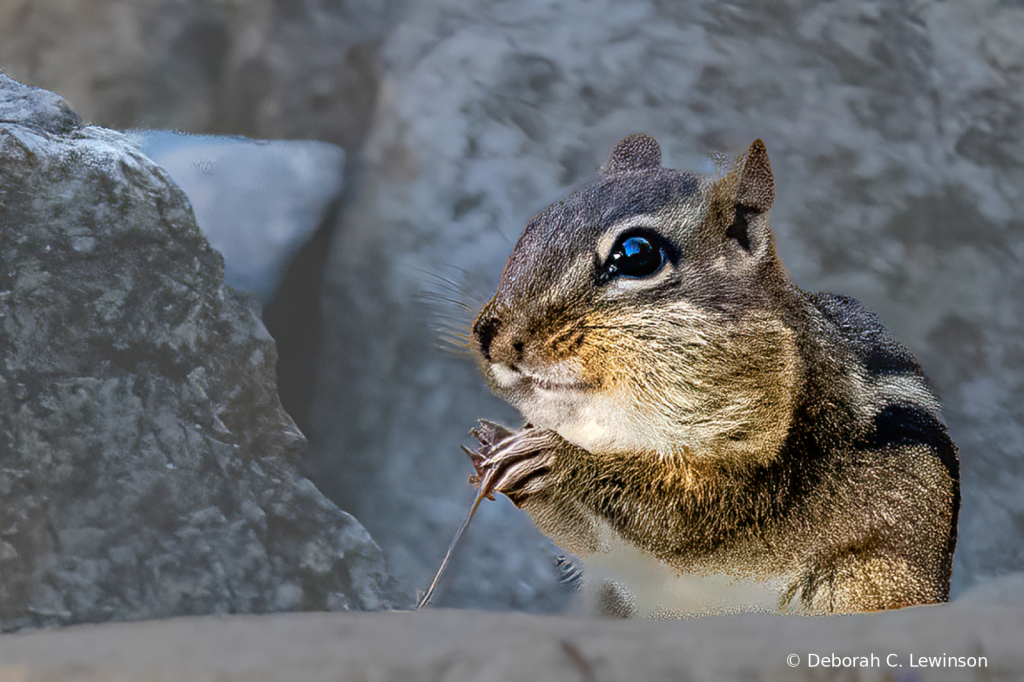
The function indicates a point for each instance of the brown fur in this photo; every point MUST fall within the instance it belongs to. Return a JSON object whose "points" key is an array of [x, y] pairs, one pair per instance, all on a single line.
{"points": [[709, 414]]}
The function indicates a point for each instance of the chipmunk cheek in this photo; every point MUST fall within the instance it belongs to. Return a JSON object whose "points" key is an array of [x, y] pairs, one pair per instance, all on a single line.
{"points": [[598, 369], [566, 343]]}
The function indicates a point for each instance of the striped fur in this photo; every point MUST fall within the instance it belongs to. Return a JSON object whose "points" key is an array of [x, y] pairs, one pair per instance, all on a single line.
{"points": [[708, 436]]}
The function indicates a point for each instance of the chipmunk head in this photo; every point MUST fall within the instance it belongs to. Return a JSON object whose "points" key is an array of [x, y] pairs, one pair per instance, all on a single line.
{"points": [[640, 313]]}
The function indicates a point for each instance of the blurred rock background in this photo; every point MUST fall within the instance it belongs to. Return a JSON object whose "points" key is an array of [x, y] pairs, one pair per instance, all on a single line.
{"points": [[273, 193], [895, 130]]}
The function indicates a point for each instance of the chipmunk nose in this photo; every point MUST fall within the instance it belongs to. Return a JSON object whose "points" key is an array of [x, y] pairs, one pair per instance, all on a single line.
{"points": [[508, 351], [484, 330]]}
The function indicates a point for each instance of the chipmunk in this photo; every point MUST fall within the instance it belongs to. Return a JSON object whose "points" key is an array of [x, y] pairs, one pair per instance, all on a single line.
{"points": [[706, 434]]}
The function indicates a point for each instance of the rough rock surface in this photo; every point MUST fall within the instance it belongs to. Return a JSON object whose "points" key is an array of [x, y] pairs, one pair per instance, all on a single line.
{"points": [[145, 462], [457, 646], [895, 133], [299, 69], [256, 201]]}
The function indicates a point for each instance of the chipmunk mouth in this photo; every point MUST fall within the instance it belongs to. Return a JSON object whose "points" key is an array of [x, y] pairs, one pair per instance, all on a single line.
{"points": [[547, 397], [554, 385], [555, 380]]}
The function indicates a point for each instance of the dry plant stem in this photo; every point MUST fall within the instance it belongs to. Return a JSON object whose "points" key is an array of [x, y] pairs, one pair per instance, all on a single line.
{"points": [[485, 491]]}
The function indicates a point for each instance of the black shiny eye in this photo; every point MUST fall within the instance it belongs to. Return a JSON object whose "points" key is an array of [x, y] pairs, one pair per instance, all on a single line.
{"points": [[635, 256]]}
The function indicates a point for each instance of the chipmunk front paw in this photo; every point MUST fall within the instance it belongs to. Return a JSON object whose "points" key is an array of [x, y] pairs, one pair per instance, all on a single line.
{"points": [[521, 460]]}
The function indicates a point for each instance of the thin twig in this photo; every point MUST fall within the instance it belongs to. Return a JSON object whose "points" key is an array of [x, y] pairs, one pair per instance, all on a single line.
{"points": [[485, 491]]}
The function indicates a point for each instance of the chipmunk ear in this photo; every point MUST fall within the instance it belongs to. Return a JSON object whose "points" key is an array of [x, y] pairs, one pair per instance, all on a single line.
{"points": [[743, 199], [756, 190], [635, 152]]}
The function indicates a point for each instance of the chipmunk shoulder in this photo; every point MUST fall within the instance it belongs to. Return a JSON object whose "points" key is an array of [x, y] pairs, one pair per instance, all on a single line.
{"points": [[693, 418]]}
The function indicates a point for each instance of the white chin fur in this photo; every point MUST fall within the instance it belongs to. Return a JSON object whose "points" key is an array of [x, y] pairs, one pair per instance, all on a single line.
{"points": [[594, 422], [504, 376]]}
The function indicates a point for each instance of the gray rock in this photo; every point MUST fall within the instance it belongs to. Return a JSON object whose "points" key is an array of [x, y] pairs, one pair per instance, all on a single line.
{"points": [[301, 69], [257, 201], [469, 646], [146, 465], [895, 133]]}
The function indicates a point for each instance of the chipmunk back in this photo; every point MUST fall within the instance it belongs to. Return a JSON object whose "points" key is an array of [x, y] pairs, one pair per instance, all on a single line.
{"points": [[694, 419]]}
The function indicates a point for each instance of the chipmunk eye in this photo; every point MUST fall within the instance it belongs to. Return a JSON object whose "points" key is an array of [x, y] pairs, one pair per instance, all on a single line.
{"points": [[635, 256]]}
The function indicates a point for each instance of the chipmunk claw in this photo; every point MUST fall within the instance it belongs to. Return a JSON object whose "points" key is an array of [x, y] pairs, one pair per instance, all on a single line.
{"points": [[489, 433], [476, 457], [517, 460], [478, 461]]}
